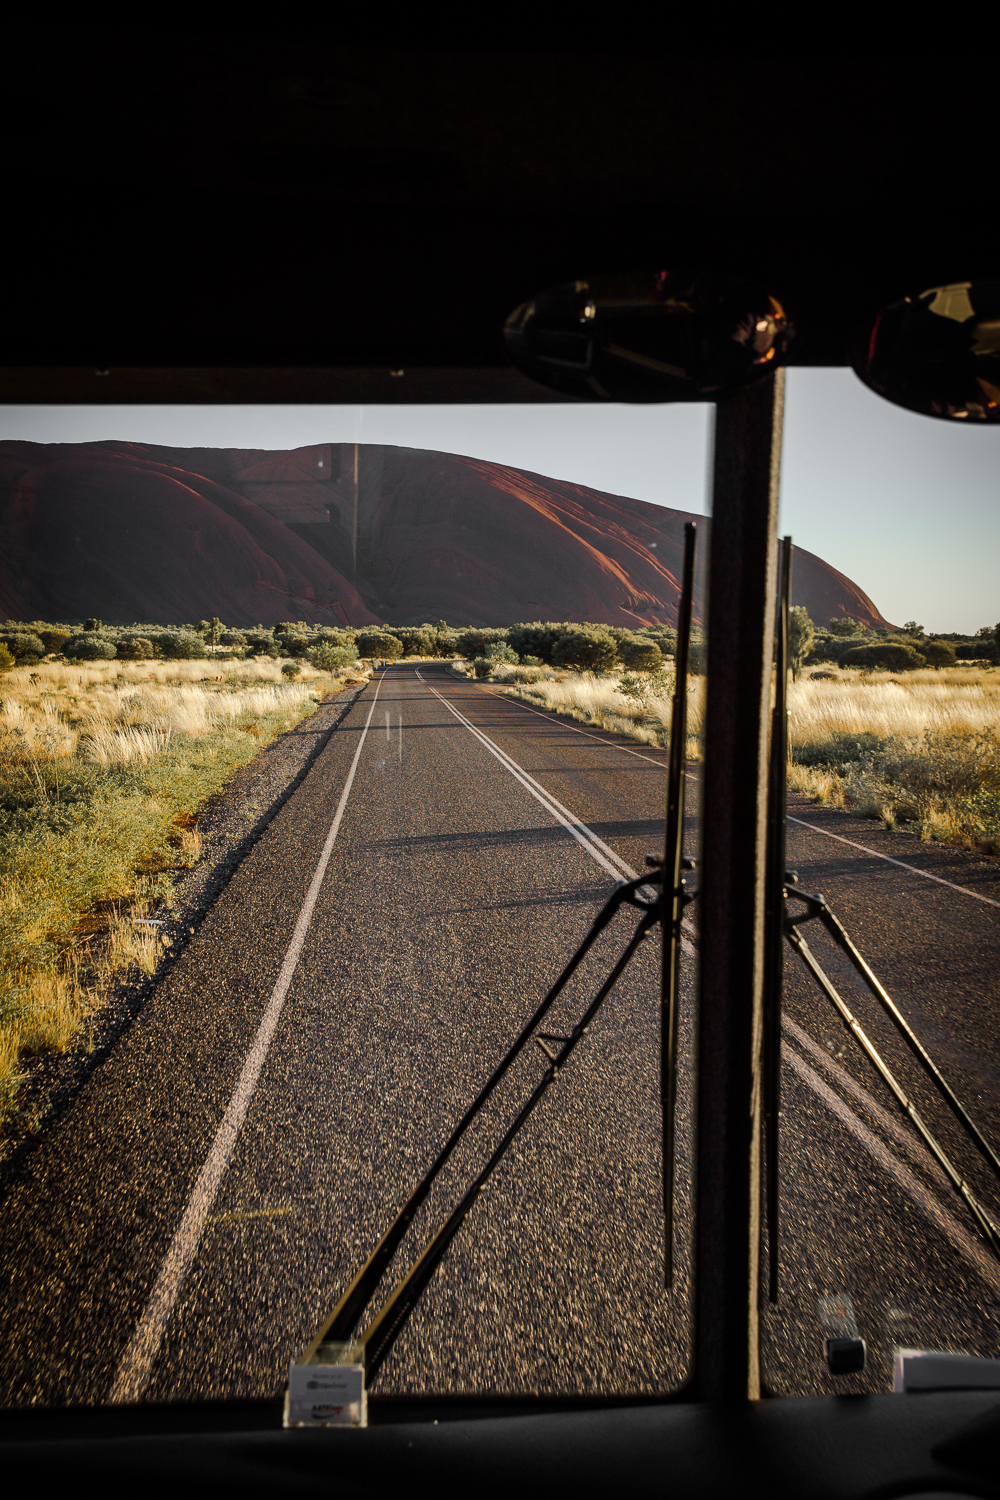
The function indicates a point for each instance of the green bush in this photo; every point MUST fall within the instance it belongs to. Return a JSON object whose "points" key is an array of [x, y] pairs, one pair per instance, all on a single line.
{"points": [[640, 654], [23, 645], [897, 656], [939, 653], [586, 648], [290, 670], [501, 652], [6, 659], [90, 646], [327, 657], [535, 640], [181, 645], [801, 634], [378, 645]]}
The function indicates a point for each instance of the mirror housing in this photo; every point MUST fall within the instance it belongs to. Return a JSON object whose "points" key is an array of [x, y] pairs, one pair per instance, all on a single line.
{"points": [[649, 336], [937, 353]]}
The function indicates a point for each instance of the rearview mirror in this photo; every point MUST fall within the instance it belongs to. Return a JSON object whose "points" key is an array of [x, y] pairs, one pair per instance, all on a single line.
{"points": [[649, 336], [937, 353]]}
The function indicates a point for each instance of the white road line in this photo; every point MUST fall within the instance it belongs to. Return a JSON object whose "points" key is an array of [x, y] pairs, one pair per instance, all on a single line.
{"points": [[659, 764], [969, 1248], [585, 837], [596, 848], [136, 1364], [902, 864]]}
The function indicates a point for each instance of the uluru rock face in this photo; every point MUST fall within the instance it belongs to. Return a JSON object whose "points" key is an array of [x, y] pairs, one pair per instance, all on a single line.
{"points": [[127, 533], [341, 534]]}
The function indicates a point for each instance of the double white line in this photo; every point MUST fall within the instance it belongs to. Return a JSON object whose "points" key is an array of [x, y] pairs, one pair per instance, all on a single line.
{"points": [[586, 837], [588, 840]]}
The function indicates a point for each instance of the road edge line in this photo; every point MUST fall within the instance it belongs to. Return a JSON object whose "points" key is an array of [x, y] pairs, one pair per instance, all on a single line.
{"points": [[815, 828]]}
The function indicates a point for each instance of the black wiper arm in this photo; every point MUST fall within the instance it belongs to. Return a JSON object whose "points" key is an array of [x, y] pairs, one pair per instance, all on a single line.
{"points": [[338, 1326]]}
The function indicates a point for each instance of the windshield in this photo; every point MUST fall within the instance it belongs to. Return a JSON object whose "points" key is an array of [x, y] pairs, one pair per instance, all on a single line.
{"points": [[326, 734]]}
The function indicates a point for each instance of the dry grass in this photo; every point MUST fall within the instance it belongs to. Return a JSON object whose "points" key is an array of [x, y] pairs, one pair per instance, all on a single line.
{"points": [[922, 748], [102, 771], [600, 703]]}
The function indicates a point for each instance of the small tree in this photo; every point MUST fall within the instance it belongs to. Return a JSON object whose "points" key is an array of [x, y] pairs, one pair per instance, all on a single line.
{"points": [[93, 624], [939, 654], [846, 627], [639, 654], [327, 656], [801, 635], [378, 645], [586, 648]]}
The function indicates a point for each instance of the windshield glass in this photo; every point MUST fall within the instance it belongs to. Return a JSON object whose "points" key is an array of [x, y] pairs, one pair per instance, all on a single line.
{"points": [[313, 781]]}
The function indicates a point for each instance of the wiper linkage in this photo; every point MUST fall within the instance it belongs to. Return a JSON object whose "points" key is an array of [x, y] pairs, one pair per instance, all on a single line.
{"points": [[378, 1339]]}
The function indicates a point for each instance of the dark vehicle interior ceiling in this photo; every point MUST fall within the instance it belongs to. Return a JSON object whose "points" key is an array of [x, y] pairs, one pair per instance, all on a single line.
{"points": [[294, 217]]}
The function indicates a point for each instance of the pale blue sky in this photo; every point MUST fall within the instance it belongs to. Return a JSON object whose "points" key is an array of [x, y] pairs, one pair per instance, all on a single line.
{"points": [[906, 506]]}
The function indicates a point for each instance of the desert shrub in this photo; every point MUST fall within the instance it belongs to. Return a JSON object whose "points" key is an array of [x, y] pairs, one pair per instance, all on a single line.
{"points": [[535, 640], [294, 643], [482, 666], [841, 749], [262, 643], [500, 651], [585, 648], [846, 627], [181, 645], [6, 659], [23, 645], [54, 640], [939, 654], [661, 636], [895, 656], [379, 645], [90, 646], [290, 670], [639, 654], [234, 639], [135, 648], [478, 642], [327, 656], [417, 640]]}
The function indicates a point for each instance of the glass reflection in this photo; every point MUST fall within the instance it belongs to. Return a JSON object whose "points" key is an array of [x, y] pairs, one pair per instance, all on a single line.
{"points": [[649, 336], [937, 353]]}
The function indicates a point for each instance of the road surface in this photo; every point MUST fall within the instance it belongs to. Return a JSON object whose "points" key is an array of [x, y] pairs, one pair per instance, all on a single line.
{"points": [[188, 1220]]}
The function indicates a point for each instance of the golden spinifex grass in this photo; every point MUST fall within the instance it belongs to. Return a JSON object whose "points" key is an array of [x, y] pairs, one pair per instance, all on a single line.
{"points": [[922, 748], [102, 769], [601, 703]]}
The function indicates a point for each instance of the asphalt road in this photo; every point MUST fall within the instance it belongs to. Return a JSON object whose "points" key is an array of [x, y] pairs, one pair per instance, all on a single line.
{"points": [[186, 1223]]}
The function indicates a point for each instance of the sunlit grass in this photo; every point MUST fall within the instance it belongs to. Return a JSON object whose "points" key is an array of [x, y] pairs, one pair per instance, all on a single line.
{"points": [[103, 770], [920, 749]]}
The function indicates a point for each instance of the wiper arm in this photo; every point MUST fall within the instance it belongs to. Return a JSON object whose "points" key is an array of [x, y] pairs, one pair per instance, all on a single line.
{"points": [[379, 1338]]}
